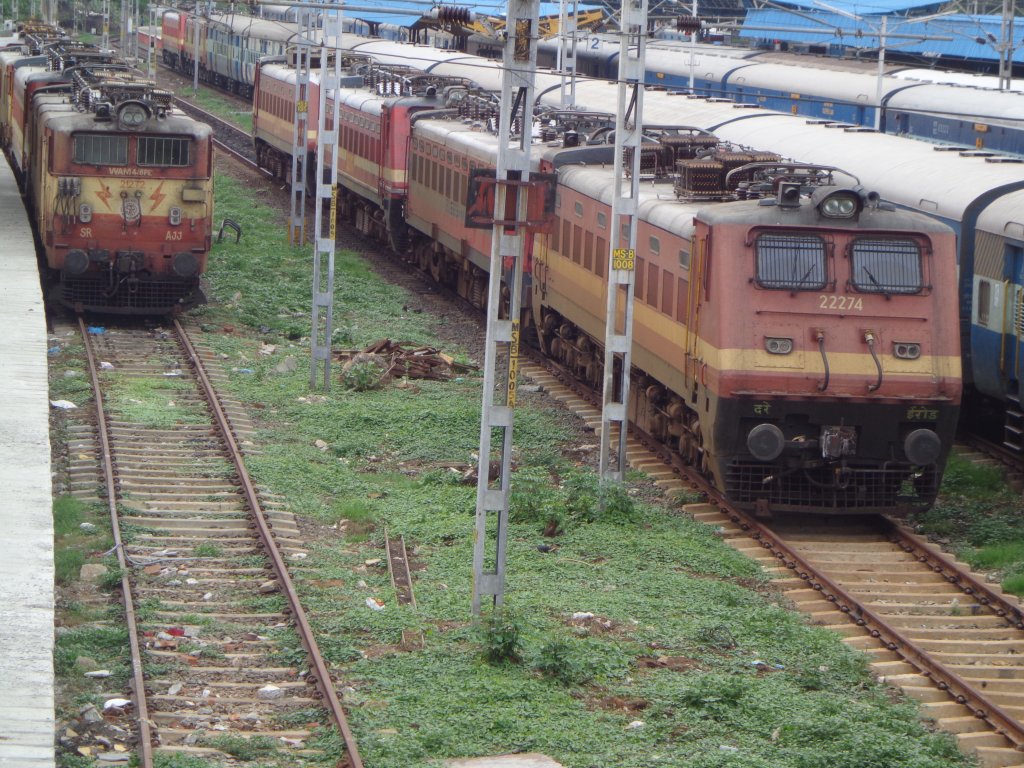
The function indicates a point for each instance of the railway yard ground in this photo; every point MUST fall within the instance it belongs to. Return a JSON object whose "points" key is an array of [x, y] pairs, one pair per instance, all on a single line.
{"points": [[635, 636]]}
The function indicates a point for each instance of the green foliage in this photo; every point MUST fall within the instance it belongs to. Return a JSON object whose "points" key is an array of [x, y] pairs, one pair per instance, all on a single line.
{"points": [[108, 646], [173, 760], [111, 580], [361, 377], [998, 555], [206, 549], [579, 497], [67, 563], [500, 636], [66, 760], [982, 519], [67, 515], [1014, 584], [977, 481], [242, 747], [560, 661]]}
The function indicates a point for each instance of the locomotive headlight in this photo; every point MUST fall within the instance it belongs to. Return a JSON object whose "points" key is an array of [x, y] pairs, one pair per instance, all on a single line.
{"points": [[838, 202], [85, 213], [174, 216], [133, 115], [906, 350], [778, 345], [838, 206]]}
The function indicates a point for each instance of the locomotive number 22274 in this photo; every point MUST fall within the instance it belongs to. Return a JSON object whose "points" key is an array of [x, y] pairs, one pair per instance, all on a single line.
{"points": [[841, 303]]}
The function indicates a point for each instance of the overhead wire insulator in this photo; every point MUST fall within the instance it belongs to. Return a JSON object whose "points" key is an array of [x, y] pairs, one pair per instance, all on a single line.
{"points": [[452, 14], [688, 24]]}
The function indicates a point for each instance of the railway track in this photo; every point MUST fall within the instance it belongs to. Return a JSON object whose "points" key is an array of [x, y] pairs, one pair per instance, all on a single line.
{"points": [[227, 136], [929, 626], [213, 617]]}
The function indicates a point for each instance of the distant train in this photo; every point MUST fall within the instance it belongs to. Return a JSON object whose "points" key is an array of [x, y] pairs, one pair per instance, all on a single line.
{"points": [[793, 346], [119, 184], [919, 103]]}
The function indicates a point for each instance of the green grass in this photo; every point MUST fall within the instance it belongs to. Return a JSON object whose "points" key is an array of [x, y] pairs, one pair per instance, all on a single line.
{"points": [[157, 404], [760, 686], [981, 519], [220, 105]]}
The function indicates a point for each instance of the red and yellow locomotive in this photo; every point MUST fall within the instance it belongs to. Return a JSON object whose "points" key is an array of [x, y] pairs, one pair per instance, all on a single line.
{"points": [[119, 183], [792, 336]]}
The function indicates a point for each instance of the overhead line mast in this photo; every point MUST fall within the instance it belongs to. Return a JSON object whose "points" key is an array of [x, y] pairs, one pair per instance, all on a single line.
{"points": [[508, 246], [618, 339]]}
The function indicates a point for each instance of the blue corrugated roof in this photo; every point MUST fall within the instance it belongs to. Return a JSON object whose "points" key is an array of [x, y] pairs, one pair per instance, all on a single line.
{"points": [[824, 28], [862, 8]]}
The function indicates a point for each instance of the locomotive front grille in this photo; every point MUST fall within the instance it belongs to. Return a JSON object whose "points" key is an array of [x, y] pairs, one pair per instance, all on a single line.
{"points": [[863, 488], [143, 296]]}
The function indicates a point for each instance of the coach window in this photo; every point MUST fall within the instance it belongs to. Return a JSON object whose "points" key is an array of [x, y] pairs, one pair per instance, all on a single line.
{"points": [[666, 292], [886, 265], [684, 258], [601, 259], [638, 278], [652, 285], [163, 151], [577, 242], [654, 246], [588, 252], [681, 300], [100, 149], [790, 262], [566, 238], [984, 301], [578, 207], [602, 220]]}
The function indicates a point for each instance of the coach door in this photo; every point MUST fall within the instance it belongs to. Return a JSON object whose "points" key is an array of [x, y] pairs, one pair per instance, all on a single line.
{"points": [[1010, 348]]}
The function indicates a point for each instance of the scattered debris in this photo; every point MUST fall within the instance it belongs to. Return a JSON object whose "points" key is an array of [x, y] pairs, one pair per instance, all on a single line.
{"points": [[63, 405], [374, 604], [401, 359], [92, 572], [269, 692]]}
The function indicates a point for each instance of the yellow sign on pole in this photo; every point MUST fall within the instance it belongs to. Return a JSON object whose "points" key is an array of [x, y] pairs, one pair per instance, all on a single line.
{"points": [[513, 365], [623, 258], [334, 212]]}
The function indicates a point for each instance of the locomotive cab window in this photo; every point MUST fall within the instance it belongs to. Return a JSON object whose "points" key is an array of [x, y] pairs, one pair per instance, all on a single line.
{"points": [[887, 266], [100, 149], [164, 151], [791, 262]]}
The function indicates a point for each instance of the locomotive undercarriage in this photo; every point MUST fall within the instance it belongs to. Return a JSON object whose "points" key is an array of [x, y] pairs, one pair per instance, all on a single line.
{"points": [[118, 289]]}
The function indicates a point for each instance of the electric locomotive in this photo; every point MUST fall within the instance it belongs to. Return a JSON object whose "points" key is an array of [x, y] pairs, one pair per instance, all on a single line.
{"points": [[791, 333], [120, 186]]}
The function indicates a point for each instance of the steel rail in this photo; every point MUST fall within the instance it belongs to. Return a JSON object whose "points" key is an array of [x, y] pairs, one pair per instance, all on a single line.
{"points": [[946, 680], [948, 569], [145, 748], [321, 675]]}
